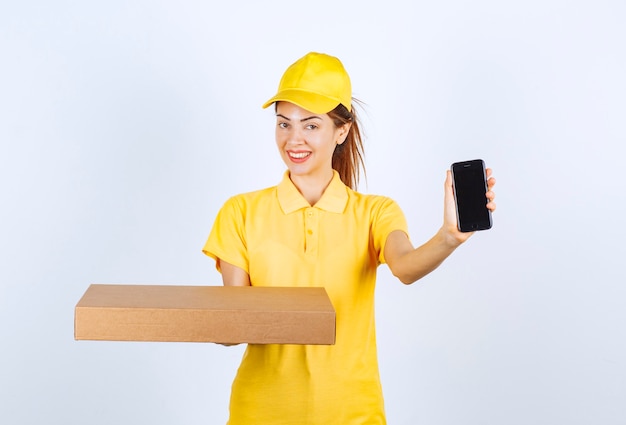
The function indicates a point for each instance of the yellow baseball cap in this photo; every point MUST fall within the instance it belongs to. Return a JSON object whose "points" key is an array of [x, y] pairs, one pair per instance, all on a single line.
{"points": [[316, 82]]}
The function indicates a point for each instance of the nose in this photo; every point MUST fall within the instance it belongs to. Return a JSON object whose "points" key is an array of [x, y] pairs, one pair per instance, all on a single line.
{"points": [[296, 136]]}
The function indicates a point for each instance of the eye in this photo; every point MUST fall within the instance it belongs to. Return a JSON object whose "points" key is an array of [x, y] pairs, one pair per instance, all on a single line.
{"points": [[283, 124], [311, 127]]}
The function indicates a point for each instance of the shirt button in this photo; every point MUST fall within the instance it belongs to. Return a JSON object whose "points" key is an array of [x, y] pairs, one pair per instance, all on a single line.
{"points": [[310, 232]]}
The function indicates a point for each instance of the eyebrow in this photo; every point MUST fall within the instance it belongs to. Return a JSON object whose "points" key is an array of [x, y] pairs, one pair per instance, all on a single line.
{"points": [[302, 120]]}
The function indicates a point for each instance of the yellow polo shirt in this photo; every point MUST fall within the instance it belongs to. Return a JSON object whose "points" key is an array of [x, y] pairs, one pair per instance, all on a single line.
{"points": [[281, 240]]}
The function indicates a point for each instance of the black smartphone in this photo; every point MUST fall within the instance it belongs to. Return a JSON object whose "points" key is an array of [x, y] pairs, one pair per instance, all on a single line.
{"points": [[470, 187]]}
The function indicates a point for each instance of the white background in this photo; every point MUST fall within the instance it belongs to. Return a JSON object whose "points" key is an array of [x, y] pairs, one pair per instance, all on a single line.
{"points": [[124, 126]]}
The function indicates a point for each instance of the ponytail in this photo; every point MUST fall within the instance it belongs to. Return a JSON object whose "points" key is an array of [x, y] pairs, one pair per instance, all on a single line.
{"points": [[348, 156]]}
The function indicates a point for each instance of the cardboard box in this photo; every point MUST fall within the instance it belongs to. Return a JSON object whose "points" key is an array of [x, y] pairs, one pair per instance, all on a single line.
{"points": [[221, 314]]}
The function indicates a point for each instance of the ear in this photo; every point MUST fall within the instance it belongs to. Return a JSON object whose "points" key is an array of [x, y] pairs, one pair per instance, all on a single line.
{"points": [[343, 133]]}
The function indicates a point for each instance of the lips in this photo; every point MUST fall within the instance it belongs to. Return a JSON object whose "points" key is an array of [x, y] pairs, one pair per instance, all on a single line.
{"points": [[298, 156]]}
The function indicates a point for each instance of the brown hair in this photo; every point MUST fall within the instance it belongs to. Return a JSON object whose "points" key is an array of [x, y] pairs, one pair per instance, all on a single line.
{"points": [[348, 156]]}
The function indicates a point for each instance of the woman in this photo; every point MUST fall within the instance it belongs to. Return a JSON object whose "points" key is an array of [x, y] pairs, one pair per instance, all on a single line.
{"points": [[314, 229]]}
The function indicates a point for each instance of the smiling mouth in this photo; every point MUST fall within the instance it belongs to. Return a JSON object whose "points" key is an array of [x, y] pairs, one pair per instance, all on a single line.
{"points": [[298, 155]]}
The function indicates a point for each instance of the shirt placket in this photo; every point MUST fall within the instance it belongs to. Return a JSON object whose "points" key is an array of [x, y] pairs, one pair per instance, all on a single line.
{"points": [[311, 231]]}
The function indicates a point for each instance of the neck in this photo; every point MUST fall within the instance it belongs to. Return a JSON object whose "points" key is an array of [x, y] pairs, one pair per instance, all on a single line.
{"points": [[311, 188]]}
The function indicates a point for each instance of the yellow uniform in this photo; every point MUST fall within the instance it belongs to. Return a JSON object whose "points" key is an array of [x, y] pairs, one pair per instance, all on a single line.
{"points": [[280, 240]]}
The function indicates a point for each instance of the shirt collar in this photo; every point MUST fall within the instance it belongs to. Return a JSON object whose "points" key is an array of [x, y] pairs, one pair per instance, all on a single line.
{"points": [[334, 199]]}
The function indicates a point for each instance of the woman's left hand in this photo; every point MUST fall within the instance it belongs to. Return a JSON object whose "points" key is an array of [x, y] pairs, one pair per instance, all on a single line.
{"points": [[450, 226]]}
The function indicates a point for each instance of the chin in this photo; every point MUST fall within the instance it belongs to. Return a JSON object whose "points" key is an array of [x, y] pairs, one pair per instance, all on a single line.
{"points": [[297, 170]]}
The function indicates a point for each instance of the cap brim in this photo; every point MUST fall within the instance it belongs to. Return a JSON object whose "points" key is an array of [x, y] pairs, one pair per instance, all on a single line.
{"points": [[310, 101]]}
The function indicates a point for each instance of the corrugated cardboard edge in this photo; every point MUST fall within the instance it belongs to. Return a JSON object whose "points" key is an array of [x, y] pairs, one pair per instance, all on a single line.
{"points": [[256, 315]]}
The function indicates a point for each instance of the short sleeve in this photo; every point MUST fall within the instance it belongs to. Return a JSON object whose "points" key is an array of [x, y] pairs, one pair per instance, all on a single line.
{"points": [[387, 217], [227, 238]]}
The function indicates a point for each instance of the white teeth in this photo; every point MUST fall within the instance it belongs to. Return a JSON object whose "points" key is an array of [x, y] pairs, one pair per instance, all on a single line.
{"points": [[299, 155]]}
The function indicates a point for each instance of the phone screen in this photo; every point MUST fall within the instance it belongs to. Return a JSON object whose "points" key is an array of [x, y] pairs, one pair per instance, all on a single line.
{"points": [[470, 187]]}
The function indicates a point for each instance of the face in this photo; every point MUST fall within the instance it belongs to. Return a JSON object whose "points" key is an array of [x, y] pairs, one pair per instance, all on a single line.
{"points": [[306, 141]]}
